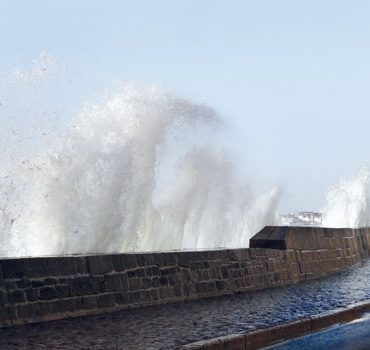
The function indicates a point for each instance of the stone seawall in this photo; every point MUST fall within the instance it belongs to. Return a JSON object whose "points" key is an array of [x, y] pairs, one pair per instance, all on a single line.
{"points": [[38, 289]]}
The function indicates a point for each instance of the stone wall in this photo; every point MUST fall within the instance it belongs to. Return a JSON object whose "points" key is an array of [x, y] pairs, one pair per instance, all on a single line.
{"points": [[37, 289], [311, 238]]}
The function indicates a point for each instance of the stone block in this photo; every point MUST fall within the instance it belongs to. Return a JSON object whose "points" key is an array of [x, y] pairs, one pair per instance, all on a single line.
{"points": [[118, 263], [7, 315], [146, 283], [155, 282], [113, 283], [106, 300], [198, 265], [135, 297], [82, 266], [220, 286], [154, 295], [238, 273], [16, 296], [99, 264], [290, 255], [3, 298], [224, 272], [140, 258], [197, 255], [213, 254], [37, 283], [234, 265], [98, 284], [50, 281], [306, 266], [60, 306], [10, 285], [163, 281], [183, 259], [13, 268], [31, 294], [132, 273], [129, 261], [60, 266], [2, 280], [122, 298], [170, 259], [81, 285], [23, 283], [166, 293], [134, 284], [274, 253], [47, 293], [62, 291], [214, 274], [152, 271], [202, 275], [205, 287], [281, 275], [26, 311], [158, 259], [89, 302], [168, 271]]}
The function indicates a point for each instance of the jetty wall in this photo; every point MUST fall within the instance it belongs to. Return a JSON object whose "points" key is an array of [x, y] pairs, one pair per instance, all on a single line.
{"points": [[48, 288]]}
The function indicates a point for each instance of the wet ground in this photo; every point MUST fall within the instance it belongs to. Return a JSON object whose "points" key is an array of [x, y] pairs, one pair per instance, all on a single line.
{"points": [[168, 326], [351, 336]]}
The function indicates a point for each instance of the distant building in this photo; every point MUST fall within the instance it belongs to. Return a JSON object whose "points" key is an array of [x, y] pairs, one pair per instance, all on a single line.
{"points": [[303, 218]]}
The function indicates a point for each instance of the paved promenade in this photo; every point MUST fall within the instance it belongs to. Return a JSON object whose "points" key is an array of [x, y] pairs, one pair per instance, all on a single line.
{"points": [[168, 326]]}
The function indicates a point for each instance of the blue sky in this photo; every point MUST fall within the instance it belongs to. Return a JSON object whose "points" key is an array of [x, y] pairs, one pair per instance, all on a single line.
{"points": [[290, 77]]}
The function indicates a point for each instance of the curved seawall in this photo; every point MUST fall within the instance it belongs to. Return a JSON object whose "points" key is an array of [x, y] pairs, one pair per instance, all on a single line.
{"points": [[40, 289]]}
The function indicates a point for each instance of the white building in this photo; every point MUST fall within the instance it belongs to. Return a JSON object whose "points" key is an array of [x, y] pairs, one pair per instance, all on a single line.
{"points": [[303, 218]]}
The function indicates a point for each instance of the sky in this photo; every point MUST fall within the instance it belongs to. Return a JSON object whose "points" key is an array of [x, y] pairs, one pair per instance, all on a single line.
{"points": [[291, 78]]}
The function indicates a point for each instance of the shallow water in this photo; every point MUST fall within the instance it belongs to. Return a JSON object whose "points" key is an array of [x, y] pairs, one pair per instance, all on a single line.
{"points": [[168, 326]]}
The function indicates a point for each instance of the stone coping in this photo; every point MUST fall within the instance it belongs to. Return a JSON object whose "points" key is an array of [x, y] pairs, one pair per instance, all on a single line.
{"points": [[275, 334]]}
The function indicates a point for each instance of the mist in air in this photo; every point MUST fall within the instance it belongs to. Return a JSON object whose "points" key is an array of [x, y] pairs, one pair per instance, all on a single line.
{"points": [[136, 169]]}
